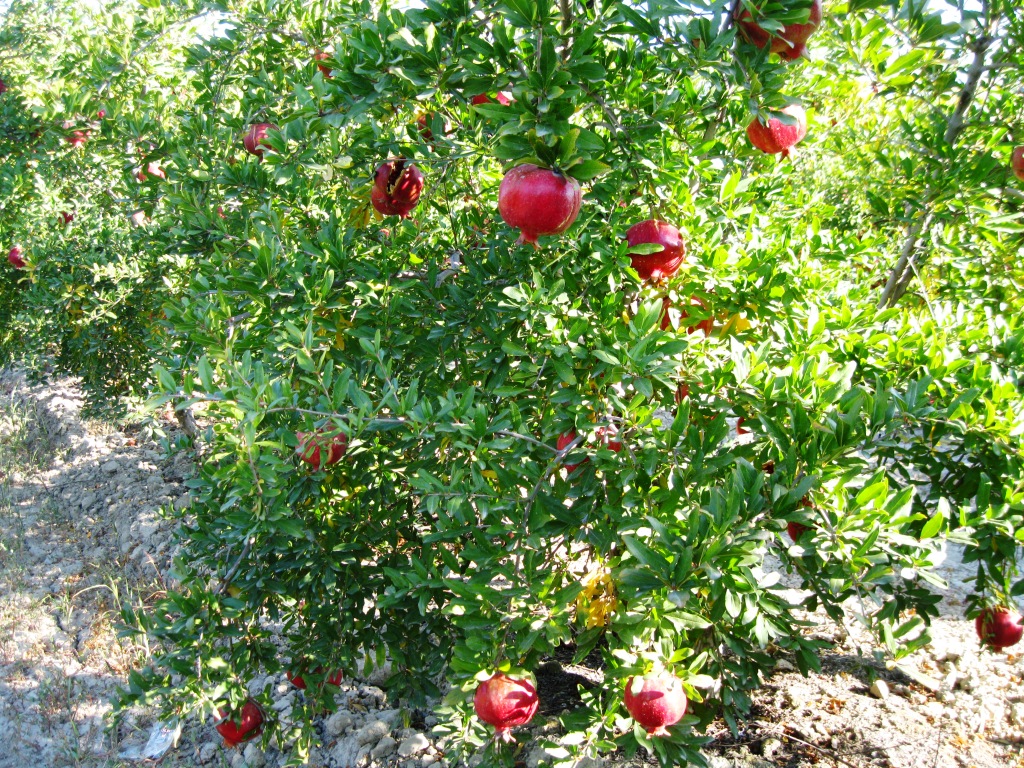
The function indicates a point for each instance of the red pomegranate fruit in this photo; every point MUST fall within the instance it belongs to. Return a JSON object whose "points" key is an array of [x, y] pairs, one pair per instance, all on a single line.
{"points": [[607, 435], [325, 69], [255, 138], [1017, 162], [791, 42], [315, 447], [397, 185], [999, 627], [656, 701], [16, 257], [777, 138], [152, 169], [506, 703], [247, 727], [3, 87], [665, 263], [706, 325], [740, 429], [796, 530], [77, 138], [538, 201], [101, 114], [504, 98], [66, 218], [296, 678]]}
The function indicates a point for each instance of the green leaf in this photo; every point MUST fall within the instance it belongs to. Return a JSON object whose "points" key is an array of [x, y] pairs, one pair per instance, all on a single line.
{"points": [[588, 169]]}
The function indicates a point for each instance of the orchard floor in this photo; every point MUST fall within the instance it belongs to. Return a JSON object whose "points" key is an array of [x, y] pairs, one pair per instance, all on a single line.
{"points": [[81, 536]]}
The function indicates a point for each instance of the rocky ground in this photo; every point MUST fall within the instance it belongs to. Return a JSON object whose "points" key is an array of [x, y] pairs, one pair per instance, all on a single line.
{"points": [[84, 531]]}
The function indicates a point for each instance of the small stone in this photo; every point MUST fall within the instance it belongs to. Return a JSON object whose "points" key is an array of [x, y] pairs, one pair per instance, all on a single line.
{"points": [[880, 689], [784, 666], [372, 732], [254, 757], [338, 722], [414, 744], [208, 751], [769, 747], [384, 748], [110, 467]]}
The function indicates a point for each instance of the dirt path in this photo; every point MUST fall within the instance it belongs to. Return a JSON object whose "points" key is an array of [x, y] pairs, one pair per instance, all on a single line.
{"points": [[81, 535]]}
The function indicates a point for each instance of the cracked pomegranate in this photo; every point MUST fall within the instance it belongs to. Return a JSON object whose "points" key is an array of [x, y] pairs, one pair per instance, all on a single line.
{"points": [[778, 138], [397, 185], [538, 201], [506, 703], [656, 701], [791, 42]]}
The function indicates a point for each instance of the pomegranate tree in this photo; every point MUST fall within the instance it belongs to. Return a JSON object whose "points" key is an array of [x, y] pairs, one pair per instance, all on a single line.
{"points": [[317, 446], [790, 43], [999, 627], [656, 701], [777, 137], [1017, 162], [663, 263], [397, 185], [236, 730], [506, 703], [538, 201], [16, 257], [255, 138]]}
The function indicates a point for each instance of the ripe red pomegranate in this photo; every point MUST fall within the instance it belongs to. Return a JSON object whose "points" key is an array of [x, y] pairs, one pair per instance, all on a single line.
{"points": [[237, 731], [504, 98], [999, 627], [506, 703], [538, 202], [682, 392], [310, 444], [791, 42], [1017, 162], [656, 702], [397, 185], [3, 87], [152, 169], [296, 679], [796, 530], [66, 218], [740, 429], [77, 138], [665, 263], [101, 114], [707, 324], [607, 435], [254, 139], [16, 257], [324, 68], [777, 138]]}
